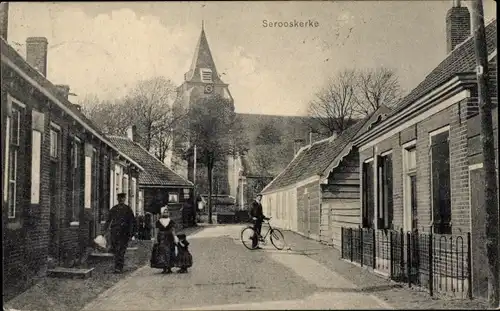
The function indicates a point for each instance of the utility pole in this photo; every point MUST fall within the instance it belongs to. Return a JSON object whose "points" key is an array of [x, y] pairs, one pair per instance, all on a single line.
{"points": [[490, 178], [195, 207]]}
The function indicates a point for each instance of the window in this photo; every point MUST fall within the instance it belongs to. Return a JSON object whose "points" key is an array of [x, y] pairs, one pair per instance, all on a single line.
{"points": [[368, 206], [76, 178], [186, 193], [95, 181], [384, 182], [133, 186], [54, 142], [125, 186], [206, 75], [440, 181], [410, 187], [173, 197], [14, 123]]}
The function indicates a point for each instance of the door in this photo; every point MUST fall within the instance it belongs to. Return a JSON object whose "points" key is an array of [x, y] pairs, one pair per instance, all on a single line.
{"points": [[478, 235], [413, 202], [55, 188]]}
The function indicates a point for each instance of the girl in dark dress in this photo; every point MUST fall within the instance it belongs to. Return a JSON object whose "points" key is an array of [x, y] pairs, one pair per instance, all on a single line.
{"points": [[184, 257], [166, 241]]}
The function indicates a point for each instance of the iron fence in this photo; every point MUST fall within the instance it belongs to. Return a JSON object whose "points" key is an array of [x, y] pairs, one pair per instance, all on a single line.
{"points": [[439, 263]]}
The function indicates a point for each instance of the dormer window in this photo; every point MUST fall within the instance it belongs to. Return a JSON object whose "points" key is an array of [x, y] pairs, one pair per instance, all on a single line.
{"points": [[206, 75]]}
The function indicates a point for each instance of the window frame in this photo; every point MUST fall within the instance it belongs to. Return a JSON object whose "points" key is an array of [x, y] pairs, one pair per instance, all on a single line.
{"points": [[447, 228], [76, 156], [54, 128], [173, 194], [407, 149], [385, 204], [12, 152], [366, 222]]}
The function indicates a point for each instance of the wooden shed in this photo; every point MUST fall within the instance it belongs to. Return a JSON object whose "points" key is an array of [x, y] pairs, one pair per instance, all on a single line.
{"points": [[318, 192]]}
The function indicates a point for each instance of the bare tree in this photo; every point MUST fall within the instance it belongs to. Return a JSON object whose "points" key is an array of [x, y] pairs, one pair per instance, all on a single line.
{"points": [[111, 117], [148, 106], [353, 94], [375, 87], [334, 106], [212, 127], [151, 103]]}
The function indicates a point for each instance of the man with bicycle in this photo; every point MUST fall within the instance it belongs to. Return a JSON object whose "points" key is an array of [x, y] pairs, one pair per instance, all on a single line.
{"points": [[258, 217]]}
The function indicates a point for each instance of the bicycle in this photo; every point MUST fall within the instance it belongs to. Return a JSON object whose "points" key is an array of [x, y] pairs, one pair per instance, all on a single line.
{"points": [[275, 236]]}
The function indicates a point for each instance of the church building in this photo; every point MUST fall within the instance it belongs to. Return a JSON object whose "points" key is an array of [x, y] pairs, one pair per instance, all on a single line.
{"points": [[203, 80]]}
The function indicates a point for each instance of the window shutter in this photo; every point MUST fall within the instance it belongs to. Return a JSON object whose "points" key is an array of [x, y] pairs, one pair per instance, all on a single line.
{"points": [[380, 191], [70, 158], [364, 207], [390, 204]]}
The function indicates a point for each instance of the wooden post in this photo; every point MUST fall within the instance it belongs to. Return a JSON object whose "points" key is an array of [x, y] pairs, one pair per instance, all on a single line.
{"points": [[490, 182]]}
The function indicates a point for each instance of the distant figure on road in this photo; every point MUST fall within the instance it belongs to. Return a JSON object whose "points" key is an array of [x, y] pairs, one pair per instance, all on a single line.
{"points": [[120, 223], [166, 241], [258, 217], [148, 226]]}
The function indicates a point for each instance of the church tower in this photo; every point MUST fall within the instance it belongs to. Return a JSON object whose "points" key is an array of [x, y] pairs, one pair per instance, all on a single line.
{"points": [[201, 80]]}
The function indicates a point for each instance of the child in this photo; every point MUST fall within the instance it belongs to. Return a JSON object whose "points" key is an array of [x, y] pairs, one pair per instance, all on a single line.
{"points": [[184, 257]]}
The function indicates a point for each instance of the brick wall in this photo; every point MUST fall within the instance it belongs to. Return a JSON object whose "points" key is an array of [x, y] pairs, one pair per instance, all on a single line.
{"points": [[27, 240], [455, 117]]}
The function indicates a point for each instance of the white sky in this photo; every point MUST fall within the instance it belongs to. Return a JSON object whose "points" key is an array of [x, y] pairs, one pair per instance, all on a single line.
{"points": [[104, 48]]}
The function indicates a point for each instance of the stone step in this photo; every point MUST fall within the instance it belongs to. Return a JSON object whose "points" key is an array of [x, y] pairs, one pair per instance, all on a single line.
{"points": [[62, 272]]}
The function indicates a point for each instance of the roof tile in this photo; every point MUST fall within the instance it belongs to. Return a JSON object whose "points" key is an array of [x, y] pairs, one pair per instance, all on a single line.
{"points": [[155, 172]]}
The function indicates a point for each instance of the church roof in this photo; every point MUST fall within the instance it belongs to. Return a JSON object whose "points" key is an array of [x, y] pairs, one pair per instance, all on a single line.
{"points": [[202, 59]]}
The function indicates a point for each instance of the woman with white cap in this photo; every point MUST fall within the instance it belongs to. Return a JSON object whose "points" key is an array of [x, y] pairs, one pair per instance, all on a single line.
{"points": [[166, 240]]}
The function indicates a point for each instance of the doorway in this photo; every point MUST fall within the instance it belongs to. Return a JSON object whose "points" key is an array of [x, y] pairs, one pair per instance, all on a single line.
{"points": [[55, 191]]}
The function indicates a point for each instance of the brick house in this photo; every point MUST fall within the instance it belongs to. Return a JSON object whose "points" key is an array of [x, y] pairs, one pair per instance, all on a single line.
{"points": [[56, 167], [158, 184], [420, 166], [318, 192]]}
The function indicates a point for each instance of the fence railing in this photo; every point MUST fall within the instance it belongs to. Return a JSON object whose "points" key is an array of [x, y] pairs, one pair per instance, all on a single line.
{"points": [[439, 263]]}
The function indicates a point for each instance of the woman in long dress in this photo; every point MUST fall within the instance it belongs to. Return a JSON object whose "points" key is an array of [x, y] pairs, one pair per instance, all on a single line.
{"points": [[166, 240]]}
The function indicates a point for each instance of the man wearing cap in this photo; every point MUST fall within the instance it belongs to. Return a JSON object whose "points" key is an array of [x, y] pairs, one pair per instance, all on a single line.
{"points": [[258, 217], [121, 221]]}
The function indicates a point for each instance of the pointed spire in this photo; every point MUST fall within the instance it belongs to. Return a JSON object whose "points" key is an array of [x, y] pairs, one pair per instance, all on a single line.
{"points": [[202, 59]]}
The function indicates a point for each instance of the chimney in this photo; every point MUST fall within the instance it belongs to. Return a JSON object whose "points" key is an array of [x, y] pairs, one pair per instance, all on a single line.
{"points": [[4, 19], [132, 133], [36, 53], [63, 90], [458, 25]]}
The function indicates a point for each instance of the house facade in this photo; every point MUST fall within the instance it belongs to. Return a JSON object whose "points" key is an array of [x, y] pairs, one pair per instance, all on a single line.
{"points": [[56, 169], [318, 192], [158, 185], [421, 166]]}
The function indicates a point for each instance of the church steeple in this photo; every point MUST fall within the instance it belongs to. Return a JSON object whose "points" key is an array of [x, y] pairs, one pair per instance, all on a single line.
{"points": [[203, 63]]}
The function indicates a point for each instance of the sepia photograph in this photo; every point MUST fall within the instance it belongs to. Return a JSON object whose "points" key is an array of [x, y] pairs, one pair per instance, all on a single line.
{"points": [[249, 155]]}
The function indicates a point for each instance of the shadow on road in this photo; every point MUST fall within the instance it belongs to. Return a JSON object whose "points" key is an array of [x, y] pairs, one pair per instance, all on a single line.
{"points": [[367, 289]]}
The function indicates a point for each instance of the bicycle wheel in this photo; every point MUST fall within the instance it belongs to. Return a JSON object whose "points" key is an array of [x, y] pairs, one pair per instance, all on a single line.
{"points": [[277, 239], [247, 237]]}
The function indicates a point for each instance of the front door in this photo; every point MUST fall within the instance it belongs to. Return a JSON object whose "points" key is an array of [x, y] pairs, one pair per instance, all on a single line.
{"points": [[55, 194], [478, 234], [413, 202]]}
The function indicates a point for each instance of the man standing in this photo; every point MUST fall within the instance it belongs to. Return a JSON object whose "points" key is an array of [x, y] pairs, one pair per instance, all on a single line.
{"points": [[257, 216], [120, 223]]}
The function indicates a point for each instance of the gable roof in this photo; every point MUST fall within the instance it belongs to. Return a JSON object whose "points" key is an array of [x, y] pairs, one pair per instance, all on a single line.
{"points": [[323, 156], [11, 58], [156, 173], [202, 59], [460, 60]]}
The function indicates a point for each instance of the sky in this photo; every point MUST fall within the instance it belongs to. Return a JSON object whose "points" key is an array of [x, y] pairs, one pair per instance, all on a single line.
{"points": [[104, 48]]}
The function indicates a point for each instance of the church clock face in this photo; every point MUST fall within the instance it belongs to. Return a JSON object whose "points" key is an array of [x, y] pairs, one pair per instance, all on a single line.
{"points": [[209, 89]]}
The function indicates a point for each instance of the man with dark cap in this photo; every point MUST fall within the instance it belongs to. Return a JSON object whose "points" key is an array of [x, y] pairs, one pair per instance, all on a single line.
{"points": [[120, 223], [258, 217]]}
